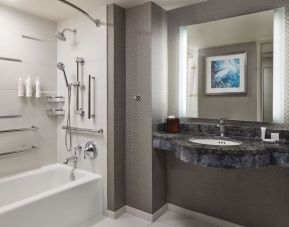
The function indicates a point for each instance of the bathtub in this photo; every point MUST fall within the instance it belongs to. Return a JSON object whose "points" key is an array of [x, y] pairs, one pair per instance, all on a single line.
{"points": [[45, 197]]}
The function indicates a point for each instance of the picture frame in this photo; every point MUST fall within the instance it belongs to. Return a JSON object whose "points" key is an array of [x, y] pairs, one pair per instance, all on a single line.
{"points": [[226, 74]]}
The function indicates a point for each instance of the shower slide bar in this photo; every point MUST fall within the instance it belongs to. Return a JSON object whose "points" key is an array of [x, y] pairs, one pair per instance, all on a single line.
{"points": [[33, 128], [24, 150], [86, 130]]}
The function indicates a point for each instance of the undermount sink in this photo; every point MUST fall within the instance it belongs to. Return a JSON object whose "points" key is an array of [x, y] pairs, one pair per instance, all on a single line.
{"points": [[215, 142]]}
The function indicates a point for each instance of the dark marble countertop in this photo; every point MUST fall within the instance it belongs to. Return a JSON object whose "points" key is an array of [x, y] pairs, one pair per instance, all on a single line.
{"points": [[251, 153]]}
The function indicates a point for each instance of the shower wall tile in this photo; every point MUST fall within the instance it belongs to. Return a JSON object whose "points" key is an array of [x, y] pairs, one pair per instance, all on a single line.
{"points": [[39, 60], [89, 43]]}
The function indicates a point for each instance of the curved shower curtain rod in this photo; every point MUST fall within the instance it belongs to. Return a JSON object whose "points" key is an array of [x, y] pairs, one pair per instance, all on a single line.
{"points": [[96, 21]]}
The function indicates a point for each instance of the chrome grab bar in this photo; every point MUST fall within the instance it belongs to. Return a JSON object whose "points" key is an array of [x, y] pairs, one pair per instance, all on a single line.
{"points": [[94, 131], [33, 128], [24, 150]]}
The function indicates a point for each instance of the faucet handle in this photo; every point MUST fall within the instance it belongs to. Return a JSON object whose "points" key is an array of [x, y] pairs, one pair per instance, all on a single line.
{"points": [[77, 149]]}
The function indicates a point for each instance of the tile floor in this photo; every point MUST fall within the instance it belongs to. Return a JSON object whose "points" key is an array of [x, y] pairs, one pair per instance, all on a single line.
{"points": [[169, 219]]}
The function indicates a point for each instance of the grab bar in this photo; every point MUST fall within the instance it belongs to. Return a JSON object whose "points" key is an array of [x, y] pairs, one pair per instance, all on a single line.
{"points": [[29, 149], [33, 128], [94, 131]]}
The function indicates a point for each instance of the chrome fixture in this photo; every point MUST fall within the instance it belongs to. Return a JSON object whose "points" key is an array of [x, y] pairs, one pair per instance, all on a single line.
{"points": [[90, 150], [91, 97], [55, 99], [221, 125], [60, 35], [61, 67], [23, 150], [68, 134], [73, 159], [10, 59], [79, 110], [85, 130], [33, 128], [96, 21], [10, 116], [56, 112]]}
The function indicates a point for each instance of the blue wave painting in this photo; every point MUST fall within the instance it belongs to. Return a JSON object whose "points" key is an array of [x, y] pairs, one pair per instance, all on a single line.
{"points": [[226, 73]]}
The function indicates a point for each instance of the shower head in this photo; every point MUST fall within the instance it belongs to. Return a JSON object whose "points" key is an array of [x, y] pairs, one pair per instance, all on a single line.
{"points": [[60, 35], [61, 67]]}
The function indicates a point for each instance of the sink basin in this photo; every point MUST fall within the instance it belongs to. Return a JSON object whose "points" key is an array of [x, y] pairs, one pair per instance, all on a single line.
{"points": [[215, 142]]}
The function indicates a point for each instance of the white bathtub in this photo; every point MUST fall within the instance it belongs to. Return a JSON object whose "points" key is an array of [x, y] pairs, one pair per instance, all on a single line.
{"points": [[46, 198]]}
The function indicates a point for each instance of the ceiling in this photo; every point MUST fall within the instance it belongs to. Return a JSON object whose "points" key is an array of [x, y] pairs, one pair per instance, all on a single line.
{"points": [[56, 11]]}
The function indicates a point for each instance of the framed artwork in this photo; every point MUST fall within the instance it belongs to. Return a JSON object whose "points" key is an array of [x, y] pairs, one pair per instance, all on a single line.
{"points": [[226, 74]]}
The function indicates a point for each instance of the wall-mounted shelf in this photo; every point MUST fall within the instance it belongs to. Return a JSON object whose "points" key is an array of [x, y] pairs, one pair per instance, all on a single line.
{"points": [[55, 99], [85, 130], [56, 112]]}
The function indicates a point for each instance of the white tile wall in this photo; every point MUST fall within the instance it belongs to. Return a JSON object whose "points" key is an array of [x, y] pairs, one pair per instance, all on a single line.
{"points": [[89, 43], [39, 59]]}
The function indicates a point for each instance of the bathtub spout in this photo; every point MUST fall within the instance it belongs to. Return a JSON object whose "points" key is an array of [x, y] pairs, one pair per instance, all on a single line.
{"points": [[74, 159]]}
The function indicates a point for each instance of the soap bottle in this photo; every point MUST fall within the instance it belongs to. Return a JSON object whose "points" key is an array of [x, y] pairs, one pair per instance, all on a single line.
{"points": [[28, 87], [20, 89], [37, 88]]}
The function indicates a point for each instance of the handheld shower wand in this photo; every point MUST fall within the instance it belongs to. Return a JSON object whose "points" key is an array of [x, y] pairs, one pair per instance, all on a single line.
{"points": [[68, 133]]}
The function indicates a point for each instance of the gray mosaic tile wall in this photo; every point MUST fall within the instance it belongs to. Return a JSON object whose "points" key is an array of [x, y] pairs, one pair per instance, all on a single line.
{"points": [[116, 107], [146, 58], [209, 11], [139, 113]]}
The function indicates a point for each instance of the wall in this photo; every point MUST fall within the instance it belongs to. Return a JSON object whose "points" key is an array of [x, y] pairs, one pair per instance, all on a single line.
{"points": [[231, 107], [255, 197], [116, 107], [38, 60], [145, 76], [89, 43]]}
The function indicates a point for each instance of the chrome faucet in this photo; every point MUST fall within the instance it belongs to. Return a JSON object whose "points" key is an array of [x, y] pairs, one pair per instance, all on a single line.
{"points": [[221, 125], [73, 159]]}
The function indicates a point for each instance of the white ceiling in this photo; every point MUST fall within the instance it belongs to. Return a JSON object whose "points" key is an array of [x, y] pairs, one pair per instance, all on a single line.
{"points": [[56, 11]]}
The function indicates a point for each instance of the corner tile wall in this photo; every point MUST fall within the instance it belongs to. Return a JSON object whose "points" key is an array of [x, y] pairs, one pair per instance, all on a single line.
{"points": [[90, 43], [116, 108], [38, 60]]}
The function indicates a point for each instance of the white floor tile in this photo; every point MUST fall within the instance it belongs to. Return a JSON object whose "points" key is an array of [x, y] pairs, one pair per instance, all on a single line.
{"points": [[124, 221], [169, 219], [160, 224]]}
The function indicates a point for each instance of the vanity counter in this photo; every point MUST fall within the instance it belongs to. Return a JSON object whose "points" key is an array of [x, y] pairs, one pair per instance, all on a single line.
{"points": [[250, 154]]}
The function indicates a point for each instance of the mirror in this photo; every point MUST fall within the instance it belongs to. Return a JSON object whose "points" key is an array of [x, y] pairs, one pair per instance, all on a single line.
{"points": [[234, 68]]}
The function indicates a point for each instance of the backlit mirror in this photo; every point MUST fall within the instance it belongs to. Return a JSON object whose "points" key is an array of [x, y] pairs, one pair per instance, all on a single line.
{"points": [[234, 68]]}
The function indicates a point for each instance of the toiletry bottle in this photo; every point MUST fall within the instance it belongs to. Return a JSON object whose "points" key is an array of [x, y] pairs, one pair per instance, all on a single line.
{"points": [[21, 90], [37, 88], [28, 87], [263, 133]]}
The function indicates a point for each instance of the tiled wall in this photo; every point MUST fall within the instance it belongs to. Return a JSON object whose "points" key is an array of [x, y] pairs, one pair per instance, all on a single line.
{"points": [[38, 60], [116, 108], [146, 76], [90, 43]]}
